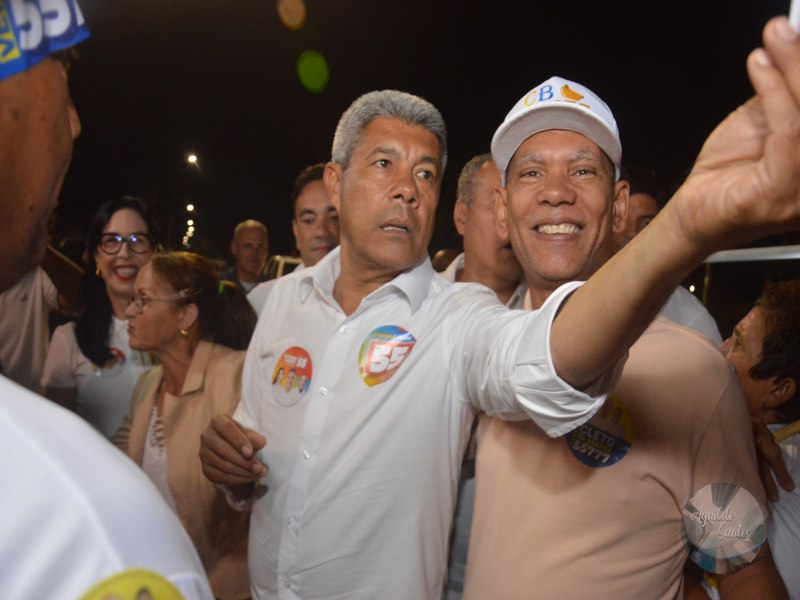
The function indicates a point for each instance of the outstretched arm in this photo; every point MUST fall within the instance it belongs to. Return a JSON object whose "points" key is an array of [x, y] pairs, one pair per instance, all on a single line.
{"points": [[744, 185]]}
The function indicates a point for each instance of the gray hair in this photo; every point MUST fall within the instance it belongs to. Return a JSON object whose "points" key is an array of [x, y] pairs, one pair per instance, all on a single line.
{"points": [[250, 224], [386, 103], [466, 179]]}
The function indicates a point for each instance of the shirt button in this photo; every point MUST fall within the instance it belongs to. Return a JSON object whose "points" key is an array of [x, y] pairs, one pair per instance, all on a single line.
{"points": [[323, 391], [343, 329], [306, 455], [287, 583], [290, 520]]}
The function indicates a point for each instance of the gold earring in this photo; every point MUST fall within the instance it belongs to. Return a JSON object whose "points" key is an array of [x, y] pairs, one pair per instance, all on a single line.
{"points": [[97, 271], [184, 332]]}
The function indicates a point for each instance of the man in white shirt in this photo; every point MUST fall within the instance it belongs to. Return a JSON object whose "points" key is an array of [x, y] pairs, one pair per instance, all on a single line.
{"points": [[489, 260], [79, 517], [315, 225], [356, 497]]}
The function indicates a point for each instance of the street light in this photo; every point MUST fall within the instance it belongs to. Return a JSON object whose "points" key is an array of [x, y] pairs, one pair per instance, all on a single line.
{"points": [[190, 208], [191, 158]]}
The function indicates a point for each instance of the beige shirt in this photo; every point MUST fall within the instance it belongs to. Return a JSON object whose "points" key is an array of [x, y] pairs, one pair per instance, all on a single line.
{"points": [[212, 386], [547, 525]]}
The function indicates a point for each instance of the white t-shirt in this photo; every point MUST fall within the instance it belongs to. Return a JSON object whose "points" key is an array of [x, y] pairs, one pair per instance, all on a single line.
{"points": [[77, 511], [685, 309], [104, 393], [24, 333], [783, 529], [367, 416]]}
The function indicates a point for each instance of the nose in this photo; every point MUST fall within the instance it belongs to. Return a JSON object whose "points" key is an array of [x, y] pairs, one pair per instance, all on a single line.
{"points": [[130, 310], [557, 190], [725, 347], [124, 249], [405, 187]]}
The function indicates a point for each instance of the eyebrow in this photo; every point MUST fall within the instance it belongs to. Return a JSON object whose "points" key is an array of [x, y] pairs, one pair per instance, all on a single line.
{"points": [[737, 331], [394, 153], [529, 157], [308, 211]]}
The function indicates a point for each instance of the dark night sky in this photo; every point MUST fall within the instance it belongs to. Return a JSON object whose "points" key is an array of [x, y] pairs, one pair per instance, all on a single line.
{"points": [[160, 78]]}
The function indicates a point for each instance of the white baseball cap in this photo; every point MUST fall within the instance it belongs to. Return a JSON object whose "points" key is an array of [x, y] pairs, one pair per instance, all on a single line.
{"points": [[557, 104]]}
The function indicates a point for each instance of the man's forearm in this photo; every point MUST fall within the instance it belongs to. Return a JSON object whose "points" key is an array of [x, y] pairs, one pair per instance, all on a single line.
{"points": [[600, 321]]}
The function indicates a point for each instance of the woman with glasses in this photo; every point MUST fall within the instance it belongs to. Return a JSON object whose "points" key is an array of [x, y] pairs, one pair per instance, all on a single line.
{"points": [[198, 328], [90, 367]]}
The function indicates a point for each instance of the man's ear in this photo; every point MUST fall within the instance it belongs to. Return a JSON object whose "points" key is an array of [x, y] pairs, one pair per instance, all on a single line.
{"points": [[501, 214], [622, 192], [332, 178], [780, 392], [460, 216], [233, 249]]}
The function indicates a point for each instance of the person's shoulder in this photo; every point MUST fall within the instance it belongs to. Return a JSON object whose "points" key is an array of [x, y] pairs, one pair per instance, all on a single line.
{"points": [[667, 347], [226, 360], [119, 522], [65, 333], [220, 353]]}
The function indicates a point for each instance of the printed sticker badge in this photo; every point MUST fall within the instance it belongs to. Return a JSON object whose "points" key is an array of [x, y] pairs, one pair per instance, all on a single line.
{"points": [[291, 378], [134, 584], [114, 366], [605, 439], [382, 352], [723, 527]]}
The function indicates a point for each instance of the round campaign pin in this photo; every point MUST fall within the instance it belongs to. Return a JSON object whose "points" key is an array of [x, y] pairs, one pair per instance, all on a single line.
{"points": [[291, 377], [605, 439], [136, 584], [723, 527], [382, 352], [114, 366]]}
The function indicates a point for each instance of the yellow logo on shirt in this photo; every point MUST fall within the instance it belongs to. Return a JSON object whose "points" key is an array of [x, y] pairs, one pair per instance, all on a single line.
{"points": [[134, 584]]}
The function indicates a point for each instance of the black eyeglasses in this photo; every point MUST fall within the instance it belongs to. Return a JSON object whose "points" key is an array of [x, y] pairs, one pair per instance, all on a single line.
{"points": [[110, 243]]}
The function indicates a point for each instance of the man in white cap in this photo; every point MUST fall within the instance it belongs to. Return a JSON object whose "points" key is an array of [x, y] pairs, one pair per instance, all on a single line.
{"points": [[610, 509], [80, 520], [362, 464]]}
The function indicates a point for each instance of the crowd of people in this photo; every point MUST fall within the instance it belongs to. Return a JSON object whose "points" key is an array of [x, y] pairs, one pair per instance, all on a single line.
{"points": [[364, 427]]}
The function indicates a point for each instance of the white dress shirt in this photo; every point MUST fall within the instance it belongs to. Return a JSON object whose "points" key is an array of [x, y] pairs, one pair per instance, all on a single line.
{"points": [[450, 274], [364, 458]]}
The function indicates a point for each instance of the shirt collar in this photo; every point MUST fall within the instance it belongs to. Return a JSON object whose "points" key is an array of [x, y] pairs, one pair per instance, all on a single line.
{"points": [[451, 272], [520, 295], [197, 368], [414, 284]]}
